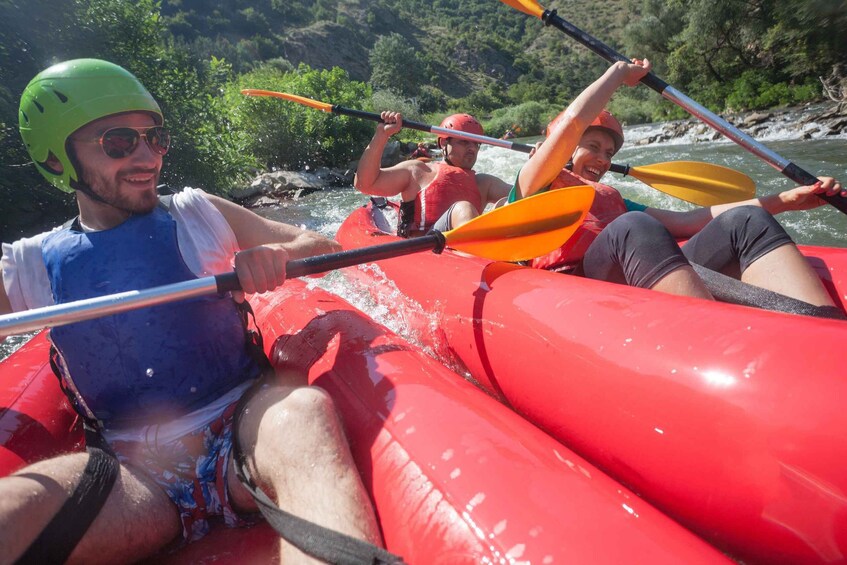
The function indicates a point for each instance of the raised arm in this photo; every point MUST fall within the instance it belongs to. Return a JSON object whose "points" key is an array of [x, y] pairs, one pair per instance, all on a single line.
{"points": [[560, 144], [267, 246], [370, 178]]}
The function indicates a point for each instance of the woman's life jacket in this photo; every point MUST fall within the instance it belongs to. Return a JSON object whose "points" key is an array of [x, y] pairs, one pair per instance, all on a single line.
{"points": [[608, 204]]}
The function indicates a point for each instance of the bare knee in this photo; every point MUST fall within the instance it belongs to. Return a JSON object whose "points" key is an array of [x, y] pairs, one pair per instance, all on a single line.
{"points": [[463, 212], [304, 404], [290, 427]]}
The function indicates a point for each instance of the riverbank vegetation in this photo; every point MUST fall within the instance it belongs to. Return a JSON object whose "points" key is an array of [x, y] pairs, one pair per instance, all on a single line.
{"points": [[425, 59]]}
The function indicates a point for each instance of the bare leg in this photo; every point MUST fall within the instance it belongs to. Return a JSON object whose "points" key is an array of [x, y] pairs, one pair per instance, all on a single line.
{"points": [[137, 520], [462, 213], [684, 282], [302, 459], [786, 271]]}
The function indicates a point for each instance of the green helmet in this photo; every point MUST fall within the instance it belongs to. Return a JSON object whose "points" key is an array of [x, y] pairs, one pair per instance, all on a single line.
{"points": [[67, 96]]}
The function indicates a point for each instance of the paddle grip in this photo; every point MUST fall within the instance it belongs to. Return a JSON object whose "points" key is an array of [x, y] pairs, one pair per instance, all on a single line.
{"points": [[350, 257], [805, 178], [227, 282], [550, 18], [620, 169], [331, 261], [435, 241], [377, 118], [438, 130]]}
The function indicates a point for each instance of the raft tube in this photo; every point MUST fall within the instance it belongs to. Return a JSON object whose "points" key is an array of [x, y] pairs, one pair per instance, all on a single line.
{"points": [[728, 418], [455, 476]]}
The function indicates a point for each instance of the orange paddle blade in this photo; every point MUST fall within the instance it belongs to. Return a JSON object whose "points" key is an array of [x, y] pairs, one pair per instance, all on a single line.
{"points": [[323, 106], [530, 7], [524, 229]]}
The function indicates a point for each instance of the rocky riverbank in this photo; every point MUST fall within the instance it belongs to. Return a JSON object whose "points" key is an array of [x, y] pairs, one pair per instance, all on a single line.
{"points": [[816, 121], [271, 188]]}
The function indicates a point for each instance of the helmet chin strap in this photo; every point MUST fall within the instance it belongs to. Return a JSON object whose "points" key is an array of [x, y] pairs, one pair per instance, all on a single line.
{"points": [[444, 150], [79, 184], [84, 188]]}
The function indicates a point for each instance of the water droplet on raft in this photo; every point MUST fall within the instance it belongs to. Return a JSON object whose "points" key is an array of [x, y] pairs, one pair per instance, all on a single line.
{"points": [[149, 372]]}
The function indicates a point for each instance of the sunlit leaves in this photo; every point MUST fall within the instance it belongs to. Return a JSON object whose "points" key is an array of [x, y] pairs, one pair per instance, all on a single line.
{"points": [[287, 135]]}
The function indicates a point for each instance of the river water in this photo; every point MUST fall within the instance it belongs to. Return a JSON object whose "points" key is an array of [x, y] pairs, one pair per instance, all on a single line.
{"points": [[325, 211]]}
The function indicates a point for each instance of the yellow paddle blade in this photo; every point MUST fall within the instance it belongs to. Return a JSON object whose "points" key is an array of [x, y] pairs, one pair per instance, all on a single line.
{"points": [[530, 7], [524, 229], [323, 106], [703, 184]]}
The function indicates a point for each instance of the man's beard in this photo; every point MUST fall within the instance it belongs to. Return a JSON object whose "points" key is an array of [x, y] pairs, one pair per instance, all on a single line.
{"points": [[142, 201]]}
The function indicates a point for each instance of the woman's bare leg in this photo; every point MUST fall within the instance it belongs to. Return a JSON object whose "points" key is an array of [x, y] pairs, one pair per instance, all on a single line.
{"points": [[785, 270]]}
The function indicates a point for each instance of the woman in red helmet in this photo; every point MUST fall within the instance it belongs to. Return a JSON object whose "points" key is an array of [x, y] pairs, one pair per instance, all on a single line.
{"points": [[440, 195], [625, 242]]}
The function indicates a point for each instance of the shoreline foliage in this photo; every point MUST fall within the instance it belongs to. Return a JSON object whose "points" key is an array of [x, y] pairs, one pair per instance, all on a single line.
{"points": [[476, 56]]}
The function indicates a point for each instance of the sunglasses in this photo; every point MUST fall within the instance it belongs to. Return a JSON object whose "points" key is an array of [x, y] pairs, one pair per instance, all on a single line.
{"points": [[118, 143]]}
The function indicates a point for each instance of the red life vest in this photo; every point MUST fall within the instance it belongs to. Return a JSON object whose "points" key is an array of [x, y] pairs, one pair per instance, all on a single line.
{"points": [[451, 184], [608, 204]]}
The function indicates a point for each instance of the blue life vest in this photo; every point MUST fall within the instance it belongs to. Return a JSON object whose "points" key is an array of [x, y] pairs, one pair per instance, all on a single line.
{"points": [[150, 364]]}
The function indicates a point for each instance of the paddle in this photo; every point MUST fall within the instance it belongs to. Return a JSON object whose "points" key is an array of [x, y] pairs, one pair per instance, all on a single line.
{"points": [[525, 229], [699, 183], [783, 165]]}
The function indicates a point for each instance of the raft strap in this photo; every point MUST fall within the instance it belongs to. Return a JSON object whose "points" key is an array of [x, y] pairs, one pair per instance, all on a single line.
{"points": [[312, 539], [58, 539]]}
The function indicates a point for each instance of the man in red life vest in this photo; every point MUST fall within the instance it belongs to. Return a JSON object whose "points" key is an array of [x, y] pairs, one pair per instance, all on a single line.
{"points": [[440, 195], [420, 152]]}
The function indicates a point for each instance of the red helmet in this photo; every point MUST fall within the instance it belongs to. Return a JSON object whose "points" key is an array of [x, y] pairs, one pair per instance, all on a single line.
{"points": [[461, 122], [604, 121]]}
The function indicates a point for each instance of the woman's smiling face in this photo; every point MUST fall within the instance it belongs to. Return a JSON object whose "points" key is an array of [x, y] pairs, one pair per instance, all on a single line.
{"points": [[593, 155]]}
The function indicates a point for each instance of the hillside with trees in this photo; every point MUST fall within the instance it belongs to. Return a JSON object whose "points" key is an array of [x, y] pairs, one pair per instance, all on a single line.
{"points": [[424, 58]]}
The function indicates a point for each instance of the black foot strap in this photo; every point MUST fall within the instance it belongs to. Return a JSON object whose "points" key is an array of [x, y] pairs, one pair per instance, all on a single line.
{"points": [[317, 541], [312, 539], [728, 289], [59, 538]]}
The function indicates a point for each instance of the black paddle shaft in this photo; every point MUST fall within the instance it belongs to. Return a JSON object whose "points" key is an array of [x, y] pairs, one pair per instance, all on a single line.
{"points": [[523, 148], [784, 166], [377, 118], [434, 241]]}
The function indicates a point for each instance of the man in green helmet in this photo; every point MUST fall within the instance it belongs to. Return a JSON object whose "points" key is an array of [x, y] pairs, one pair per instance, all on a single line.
{"points": [[160, 385]]}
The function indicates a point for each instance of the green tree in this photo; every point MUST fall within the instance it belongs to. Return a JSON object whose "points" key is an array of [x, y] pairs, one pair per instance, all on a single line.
{"points": [[743, 53], [395, 65], [288, 135], [806, 37], [206, 152]]}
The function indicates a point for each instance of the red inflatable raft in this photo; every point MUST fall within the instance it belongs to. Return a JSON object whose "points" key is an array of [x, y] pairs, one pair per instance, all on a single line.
{"points": [[455, 476], [730, 419]]}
